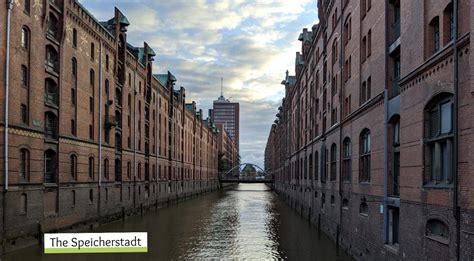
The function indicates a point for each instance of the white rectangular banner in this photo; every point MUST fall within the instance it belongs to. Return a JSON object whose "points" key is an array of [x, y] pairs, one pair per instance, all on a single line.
{"points": [[60, 243]]}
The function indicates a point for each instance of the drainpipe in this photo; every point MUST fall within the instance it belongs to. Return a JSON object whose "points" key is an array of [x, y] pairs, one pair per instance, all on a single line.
{"points": [[134, 135], [7, 90], [456, 209], [341, 114], [100, 124], [385, 131]]}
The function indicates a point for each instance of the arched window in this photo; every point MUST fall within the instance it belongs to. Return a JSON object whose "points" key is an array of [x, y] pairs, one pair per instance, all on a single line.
{"points": [[310, 163], [118, 170], [345, 204], [92, 51], [118, 141], [24, 114], [396, 156], [23, 203], [51, 92], [439, 138], [52, 26], [364, 174], [107, 62], [24, 168], [448, 22], [106, 169], [50, 125], [334, 51], [437, 229], [50, 166], [91, 167], [129, 170], [347, 29], [333, 161], [369, 43], [52, 59], [347, 163], [118, 97], [139, 170], [434, 34], [74, 68], [92, 78], [74, 37], [333, 200], [364, 209], [73, 166], [25, 37], [316, 165]]}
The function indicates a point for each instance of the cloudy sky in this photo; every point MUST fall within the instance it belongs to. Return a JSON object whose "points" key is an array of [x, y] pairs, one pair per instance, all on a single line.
{"points": [[250, 43]]}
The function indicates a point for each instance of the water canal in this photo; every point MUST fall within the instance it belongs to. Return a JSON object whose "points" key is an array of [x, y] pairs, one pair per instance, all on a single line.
{"points": [[247, 221]]}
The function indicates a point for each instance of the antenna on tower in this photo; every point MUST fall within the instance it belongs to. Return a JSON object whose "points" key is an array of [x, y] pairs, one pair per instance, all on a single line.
{"points": [[222, 86]]}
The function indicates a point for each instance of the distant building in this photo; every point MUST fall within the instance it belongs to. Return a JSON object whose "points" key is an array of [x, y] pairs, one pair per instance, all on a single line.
{"points": [[228, 154], [228, 114]]}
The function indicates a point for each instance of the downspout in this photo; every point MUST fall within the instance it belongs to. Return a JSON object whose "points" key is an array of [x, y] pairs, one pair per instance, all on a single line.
{"points": [[100, 124], [456, 209], [341, 114], [134, 136], [7, 91], [385, 132], [7, 78]]}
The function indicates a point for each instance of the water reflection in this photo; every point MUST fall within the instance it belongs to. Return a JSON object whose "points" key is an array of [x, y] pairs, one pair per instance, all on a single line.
{"points": [[246, 222]]}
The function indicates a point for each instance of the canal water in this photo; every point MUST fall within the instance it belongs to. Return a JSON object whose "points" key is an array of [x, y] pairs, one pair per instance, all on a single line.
{"points": [[247, 221]]}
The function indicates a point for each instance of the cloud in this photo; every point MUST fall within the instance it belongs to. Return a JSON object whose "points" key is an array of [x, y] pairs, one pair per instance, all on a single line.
{"points": [[250, 43]]}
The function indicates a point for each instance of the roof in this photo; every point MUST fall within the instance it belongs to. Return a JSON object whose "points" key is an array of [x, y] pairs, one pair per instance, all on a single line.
{"points": [[163, 78]]}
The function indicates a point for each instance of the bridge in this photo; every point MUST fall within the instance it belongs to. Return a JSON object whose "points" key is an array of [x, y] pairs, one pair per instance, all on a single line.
{"points": [[245, 173]]}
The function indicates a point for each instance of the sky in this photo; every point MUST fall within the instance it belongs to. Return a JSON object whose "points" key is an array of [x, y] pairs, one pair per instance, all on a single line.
{"points": [[249, 43]]}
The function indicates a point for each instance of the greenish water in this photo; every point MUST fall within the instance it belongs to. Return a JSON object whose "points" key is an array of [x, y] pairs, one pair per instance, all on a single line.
{"points": [[245, 222]]}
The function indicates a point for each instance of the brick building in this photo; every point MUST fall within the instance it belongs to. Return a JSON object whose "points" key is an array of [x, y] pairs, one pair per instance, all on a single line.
{"points": [[92, 133], [372, 141], [228, 153]]}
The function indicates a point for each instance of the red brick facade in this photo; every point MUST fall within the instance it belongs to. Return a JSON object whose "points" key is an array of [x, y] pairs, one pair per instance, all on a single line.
{"points": [[93, 134], [364, 142]]}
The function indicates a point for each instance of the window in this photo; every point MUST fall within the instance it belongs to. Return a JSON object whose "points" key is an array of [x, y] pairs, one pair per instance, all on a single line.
{"points": [[24, 114], [26, 6], [52, 26], [363, 49], [24, 169], [73, 127], [91, 104], [393, 225], [440, 139], [448, 19], [118, 170], [310, 171], [434, 32], [364, 209], [74, 68], [345, 204], [369, 88], [364, 174], [129, 170], [73, 197], [333, 161], [316, 165], [323, 201], [396, 157], [52, 59], [50, 125], [107, 62], [106, 169], [363, 8], [24, 76], [437, 229], [91, 131], [139, 170], [91, 196], [347, 30], [92, 78], [73, 166], [363, 93], [25, 37], [74, 38], [91, 167], [347, 164], [50, 166], [334, 52], [92, 51], [333, 200], [118, 97], [369, 42], [51, 92], [23, 204]]}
